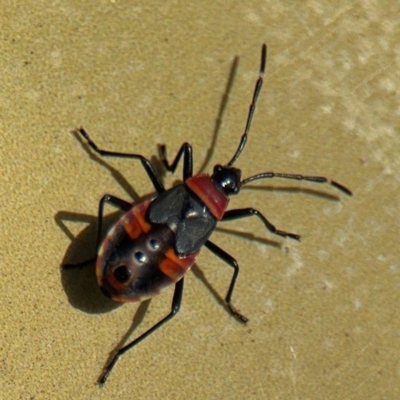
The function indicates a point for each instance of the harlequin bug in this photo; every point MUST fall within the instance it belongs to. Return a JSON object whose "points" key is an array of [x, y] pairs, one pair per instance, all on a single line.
{"points": [[155, 242]]}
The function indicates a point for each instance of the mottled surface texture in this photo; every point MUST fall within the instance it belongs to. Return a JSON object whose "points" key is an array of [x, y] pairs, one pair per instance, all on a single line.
{"points": [[323, 313]]}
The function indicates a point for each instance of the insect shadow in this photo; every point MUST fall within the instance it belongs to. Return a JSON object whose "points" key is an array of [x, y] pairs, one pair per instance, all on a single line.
{"points": [[221, 112]]}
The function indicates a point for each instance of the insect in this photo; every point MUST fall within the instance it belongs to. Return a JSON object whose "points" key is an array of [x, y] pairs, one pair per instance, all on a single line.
{"points": [[156, 242]]}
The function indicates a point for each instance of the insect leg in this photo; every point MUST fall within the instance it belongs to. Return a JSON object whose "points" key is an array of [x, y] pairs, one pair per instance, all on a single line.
{"points": [[186, 150], [248, 212], [176, 303], [155, 180], [116, 202], [224, 256]]}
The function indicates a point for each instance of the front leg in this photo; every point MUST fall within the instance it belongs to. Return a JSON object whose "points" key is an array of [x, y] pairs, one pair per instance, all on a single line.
{"points": [[151, 173], [248, 212], [186, 150]]}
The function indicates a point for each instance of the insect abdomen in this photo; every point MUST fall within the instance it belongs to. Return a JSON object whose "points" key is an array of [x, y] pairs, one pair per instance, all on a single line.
{"points": [[137, 260]]}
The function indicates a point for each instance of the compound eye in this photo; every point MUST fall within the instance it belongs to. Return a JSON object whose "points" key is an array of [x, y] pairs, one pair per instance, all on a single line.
{"points": [[122, 274]]}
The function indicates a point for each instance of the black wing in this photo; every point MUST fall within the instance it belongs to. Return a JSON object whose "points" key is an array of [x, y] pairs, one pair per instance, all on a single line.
{"points": [[183, 209]]}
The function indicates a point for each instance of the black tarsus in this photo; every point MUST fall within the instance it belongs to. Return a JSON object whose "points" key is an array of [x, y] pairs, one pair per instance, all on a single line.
{"points": [[341, 187]]}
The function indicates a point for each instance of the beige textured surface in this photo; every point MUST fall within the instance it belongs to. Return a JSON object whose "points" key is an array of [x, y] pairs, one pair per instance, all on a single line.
{"points": [[324, 313]]}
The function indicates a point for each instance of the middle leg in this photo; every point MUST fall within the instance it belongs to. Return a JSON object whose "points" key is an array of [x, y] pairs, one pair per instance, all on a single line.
{"points": [[151, 173], [186, 150], [224, 256]]}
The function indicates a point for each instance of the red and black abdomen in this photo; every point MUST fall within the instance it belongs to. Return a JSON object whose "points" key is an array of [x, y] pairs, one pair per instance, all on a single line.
{"points": [[137, 260]]}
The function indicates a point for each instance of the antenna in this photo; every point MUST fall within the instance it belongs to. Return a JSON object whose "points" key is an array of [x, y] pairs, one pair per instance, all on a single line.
{"points": [[298, 177], [252, 108]]}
